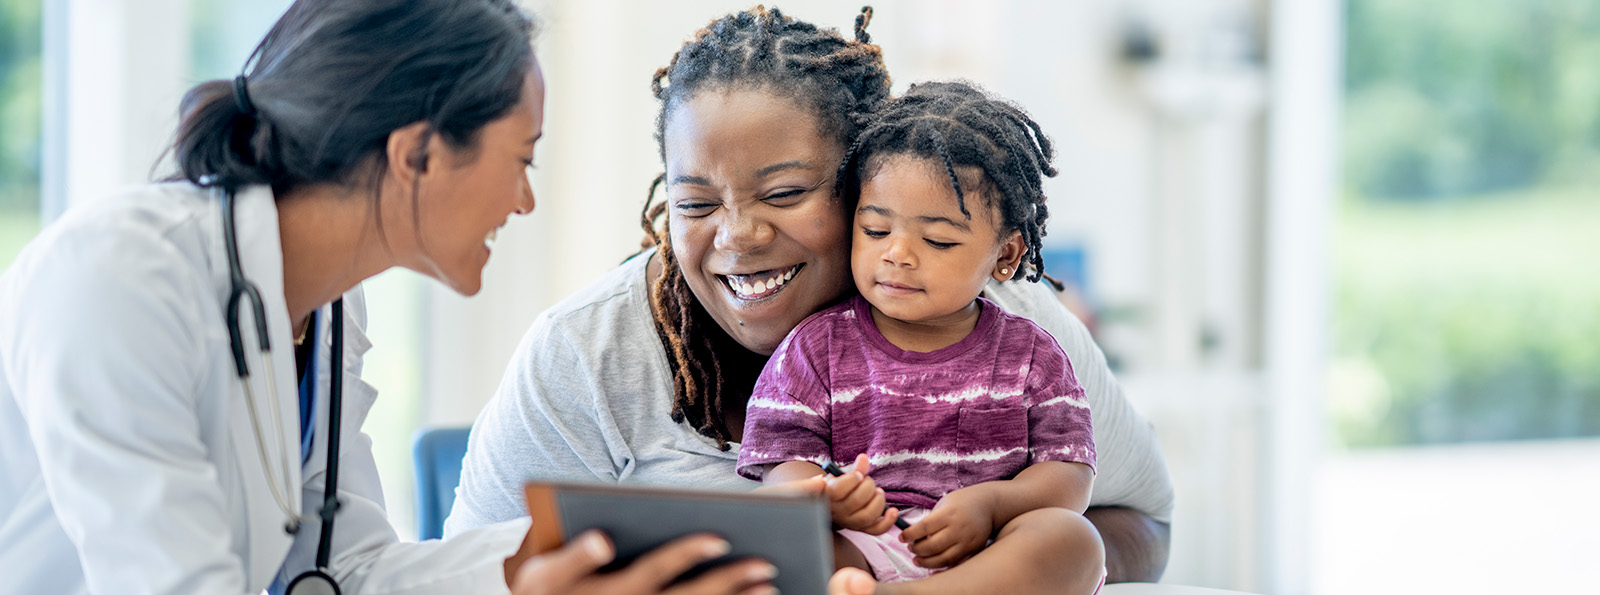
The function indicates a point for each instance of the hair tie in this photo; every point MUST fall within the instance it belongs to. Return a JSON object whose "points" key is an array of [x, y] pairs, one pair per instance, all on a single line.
{"points": [[241, 96]]}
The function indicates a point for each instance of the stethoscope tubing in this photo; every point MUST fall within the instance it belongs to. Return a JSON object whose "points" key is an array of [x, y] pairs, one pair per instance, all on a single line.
{"points": [[243, 289]]}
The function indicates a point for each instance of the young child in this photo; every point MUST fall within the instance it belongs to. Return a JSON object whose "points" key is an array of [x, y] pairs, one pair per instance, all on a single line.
{"points": [[969, 419]]}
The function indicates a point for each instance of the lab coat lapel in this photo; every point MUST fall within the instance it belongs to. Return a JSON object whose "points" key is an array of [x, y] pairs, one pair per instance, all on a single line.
{"points": [[261, 258], [358, 395]]}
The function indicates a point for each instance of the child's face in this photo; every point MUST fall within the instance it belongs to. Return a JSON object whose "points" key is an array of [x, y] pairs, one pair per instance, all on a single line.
{"points": [[914, 256]]}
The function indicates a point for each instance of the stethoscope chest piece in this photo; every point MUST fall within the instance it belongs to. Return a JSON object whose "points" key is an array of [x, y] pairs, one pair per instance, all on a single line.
{"points": [[313, 582]]}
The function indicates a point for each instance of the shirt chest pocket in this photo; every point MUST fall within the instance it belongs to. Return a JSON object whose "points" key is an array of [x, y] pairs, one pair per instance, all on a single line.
{"points": [[992, 440]]}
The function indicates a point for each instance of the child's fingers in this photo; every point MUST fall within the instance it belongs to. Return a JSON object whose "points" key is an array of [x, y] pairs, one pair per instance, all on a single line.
{"points": [[840, 488], [925, 527], [871, 510], [882, 525], [863, 464], [861, 519], [860, 496], [948, 557], [952, 547], [934, 544]]}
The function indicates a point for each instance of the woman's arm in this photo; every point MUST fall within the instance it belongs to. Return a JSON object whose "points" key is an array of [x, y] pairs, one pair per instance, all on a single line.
{"points": [[542, 423], [1136, 545], [1131, 474]]}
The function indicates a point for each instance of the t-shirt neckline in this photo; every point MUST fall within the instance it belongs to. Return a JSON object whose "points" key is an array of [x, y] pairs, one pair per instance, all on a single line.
{"points": [[988, 313]]}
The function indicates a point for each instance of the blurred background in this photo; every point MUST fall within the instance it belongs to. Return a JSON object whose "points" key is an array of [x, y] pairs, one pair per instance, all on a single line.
{"points": [[1342, 254]]}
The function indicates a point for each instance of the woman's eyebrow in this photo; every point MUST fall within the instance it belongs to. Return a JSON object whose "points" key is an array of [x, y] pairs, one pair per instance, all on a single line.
{"points": [[777, 167], [696, 180]]}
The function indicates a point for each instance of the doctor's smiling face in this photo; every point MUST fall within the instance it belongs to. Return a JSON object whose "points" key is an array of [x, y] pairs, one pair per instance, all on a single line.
{"points": [[760, 238], [466, 194]]}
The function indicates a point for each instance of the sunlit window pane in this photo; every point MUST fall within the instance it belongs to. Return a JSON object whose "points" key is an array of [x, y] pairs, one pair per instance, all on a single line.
{"points": [[20, 121]]}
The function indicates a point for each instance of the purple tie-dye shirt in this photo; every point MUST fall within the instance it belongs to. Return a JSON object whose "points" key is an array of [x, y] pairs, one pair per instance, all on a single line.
{"points": [[983, 409]]}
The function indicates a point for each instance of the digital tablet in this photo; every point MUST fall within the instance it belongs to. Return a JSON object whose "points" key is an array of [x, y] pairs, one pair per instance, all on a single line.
{"points": [[792, 532]]}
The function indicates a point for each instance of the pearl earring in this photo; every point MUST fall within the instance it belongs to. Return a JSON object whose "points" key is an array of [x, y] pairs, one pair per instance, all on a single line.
{"points": [[1005, 271]]}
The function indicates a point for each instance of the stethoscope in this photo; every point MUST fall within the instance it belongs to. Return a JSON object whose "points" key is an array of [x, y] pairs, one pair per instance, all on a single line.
{"points": [[316, 581]]}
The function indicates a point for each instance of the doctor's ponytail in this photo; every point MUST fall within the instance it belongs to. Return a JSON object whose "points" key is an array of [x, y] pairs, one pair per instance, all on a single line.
{"points": [[215, 139], [333, 78]]}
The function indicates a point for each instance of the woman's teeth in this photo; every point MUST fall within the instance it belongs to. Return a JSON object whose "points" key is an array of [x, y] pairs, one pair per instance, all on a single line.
{"points": [[757, 287], [488, 240]]}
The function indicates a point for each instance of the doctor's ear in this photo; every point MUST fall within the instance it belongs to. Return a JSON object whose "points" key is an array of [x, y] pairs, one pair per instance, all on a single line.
{"points": [[407, 151]]}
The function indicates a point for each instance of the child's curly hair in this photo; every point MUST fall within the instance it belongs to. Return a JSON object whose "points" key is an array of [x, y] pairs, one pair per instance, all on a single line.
{"points": [[957, 124]]}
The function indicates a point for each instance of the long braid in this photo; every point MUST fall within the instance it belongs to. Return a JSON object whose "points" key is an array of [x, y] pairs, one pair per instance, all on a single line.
{"points": [[837, 80], [958, 125], [672, 308]]}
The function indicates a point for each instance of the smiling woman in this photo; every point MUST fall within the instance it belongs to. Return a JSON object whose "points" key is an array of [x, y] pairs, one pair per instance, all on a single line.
{"points": [[751, 200]]}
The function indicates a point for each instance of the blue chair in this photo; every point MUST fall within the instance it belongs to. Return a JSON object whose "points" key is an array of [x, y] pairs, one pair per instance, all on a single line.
{"points": [[438, 453]]}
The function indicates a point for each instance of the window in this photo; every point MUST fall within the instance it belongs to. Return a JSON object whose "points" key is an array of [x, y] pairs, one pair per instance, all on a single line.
{"points": [[1464, 388], [20, 124], [1468, 305]]}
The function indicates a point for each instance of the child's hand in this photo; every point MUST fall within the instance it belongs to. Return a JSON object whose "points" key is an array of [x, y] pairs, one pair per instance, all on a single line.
{"points": [[957, 527], [856, 502]]}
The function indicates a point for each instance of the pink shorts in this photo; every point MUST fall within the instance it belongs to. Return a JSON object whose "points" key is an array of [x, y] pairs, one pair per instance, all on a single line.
{"points": [[891, 559]]}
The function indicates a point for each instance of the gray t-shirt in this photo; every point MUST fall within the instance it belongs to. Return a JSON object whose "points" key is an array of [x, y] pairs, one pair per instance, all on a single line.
{"points": [[588, 396]]}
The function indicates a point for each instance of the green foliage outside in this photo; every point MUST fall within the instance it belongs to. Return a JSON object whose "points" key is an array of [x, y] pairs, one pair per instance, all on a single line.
{"points": [[20, 103], [1451, 97], [1468, 304]]}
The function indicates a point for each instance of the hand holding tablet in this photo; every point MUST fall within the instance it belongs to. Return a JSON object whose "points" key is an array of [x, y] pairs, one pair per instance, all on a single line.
{"points": [[790, 531]]}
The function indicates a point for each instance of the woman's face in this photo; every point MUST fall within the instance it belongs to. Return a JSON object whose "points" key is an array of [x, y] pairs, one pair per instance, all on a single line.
{"points": [[761, 239], [467, 195]]}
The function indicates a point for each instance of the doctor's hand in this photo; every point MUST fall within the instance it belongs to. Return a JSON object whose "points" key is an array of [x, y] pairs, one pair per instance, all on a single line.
{"points": [[570, 570]]}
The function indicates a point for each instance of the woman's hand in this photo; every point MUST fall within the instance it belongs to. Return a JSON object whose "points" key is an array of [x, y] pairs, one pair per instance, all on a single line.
{"points": [[856, 502], [571, 570], [957, 527]]}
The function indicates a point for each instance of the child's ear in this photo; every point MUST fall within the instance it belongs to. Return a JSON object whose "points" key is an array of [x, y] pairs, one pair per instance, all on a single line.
{"points": [[1011, 252]]}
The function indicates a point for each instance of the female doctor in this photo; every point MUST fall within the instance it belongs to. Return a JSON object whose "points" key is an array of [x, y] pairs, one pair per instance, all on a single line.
{"points": [[177, 362]]}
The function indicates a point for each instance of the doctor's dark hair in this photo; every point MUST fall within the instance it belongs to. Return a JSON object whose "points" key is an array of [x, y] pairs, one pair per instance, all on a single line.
{"points": [[333, 78], [957, 125], [764, 50]]}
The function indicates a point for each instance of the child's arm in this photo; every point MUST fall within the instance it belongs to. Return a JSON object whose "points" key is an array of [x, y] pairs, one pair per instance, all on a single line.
{"points": [[964, 520], [1060, 440], [1043, 484], [854, 500]]}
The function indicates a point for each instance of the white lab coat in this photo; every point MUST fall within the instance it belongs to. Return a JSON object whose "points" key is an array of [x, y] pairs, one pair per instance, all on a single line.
{"points": [[128, 463]]}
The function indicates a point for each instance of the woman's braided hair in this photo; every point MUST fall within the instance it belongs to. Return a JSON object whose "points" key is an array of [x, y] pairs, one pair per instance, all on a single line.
{"points": [[762, 49], [956, 124]]}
